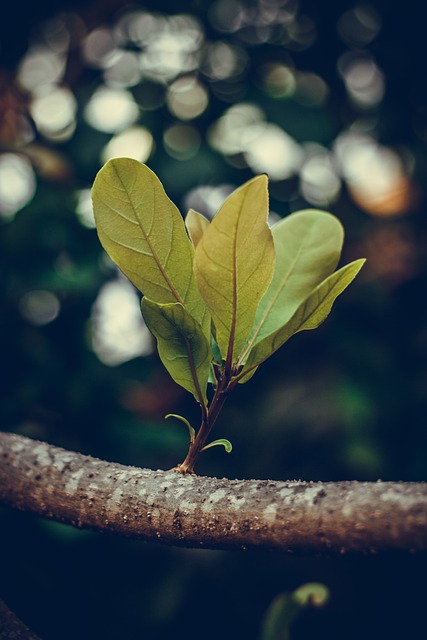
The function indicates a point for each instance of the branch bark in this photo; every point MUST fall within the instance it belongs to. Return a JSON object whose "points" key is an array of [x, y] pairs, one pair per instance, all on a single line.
{"points": [[12, 628], [195, 511]]}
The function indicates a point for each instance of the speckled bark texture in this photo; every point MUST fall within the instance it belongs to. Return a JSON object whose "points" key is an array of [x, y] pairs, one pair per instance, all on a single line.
{"points": [[195, 511], [11, 628]]}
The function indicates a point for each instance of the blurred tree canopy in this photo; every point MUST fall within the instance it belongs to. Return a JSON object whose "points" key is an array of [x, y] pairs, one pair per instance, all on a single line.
{"points": [[329, 100]]}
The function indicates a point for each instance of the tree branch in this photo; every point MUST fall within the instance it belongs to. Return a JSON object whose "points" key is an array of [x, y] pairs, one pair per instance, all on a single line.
{"points": [[195, 511], [11, 628]]}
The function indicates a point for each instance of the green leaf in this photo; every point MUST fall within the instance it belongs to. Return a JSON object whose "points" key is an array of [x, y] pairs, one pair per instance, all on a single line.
{"points": [[182, 345], [144, 234], [185, 421], [308, 247], [196, 225], [309, 315], [223, 442], [234, 264], [287, 606], [315, 594]]}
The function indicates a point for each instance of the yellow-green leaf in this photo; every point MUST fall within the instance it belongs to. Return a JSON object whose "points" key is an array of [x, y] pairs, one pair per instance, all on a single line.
{"points": [[182, 345], [222, 442], [144, 234], [191, 430], [308, 246], [309, 315], [234, 264], [196, 225]]}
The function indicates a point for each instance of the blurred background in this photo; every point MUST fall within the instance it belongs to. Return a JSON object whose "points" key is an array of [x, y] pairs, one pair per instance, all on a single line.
{"points": [[329, 99]]}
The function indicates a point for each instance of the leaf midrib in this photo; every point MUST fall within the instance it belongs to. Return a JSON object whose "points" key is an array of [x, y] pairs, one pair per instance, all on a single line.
{"points": [[147, 239], [269, 307]]}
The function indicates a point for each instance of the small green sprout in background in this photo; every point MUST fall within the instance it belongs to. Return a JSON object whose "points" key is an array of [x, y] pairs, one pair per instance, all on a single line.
{"points": [[288, 606], [220, 297]]}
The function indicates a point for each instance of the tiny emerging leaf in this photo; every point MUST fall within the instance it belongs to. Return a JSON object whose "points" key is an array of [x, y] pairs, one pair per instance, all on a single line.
{"points": [[221, 442], [196, 225], [185, 421]]}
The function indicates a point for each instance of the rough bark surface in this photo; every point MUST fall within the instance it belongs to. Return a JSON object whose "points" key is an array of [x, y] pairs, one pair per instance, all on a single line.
{"points": [[11, 628], [195, 511]]}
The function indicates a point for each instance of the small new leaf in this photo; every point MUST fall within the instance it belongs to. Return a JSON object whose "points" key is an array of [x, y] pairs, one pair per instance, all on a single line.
{"points": [[182, 345], [309, 315], [222, 442], [185, 421], [313, 594], [196, 225], [234, 262], [287, 606]]}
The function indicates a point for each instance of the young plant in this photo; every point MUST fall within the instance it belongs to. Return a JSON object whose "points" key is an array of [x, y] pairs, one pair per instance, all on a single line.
{"points": [[286, 607], [220, 297]]}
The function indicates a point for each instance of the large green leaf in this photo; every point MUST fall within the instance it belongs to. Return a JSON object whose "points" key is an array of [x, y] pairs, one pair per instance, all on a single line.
{"points": [[234, 264], [144, 234], [309, 315], [182, 345], [196, 225], [308, 247]]}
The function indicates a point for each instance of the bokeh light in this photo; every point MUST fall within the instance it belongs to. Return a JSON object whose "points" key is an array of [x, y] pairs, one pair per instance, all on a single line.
{"points": [[41, 66], [187, 98], [310, 89], [17, 184], [135, 142], [53, 109], [206, 199], [99, 48], [375, 174], [39, 307], [222, 61], [236, 128], [181, 141], [278, 80], [320, 183], [111, 110], [118, 332], [84, 208], [360, 25], [363, 78], [273, 151]]}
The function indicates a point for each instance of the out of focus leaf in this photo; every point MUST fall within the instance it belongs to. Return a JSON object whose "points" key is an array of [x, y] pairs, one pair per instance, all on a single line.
{"points": [[287, 606]]}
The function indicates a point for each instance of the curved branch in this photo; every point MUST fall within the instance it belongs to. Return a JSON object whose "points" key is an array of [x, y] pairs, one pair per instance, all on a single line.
{"points": [[195, 511]]}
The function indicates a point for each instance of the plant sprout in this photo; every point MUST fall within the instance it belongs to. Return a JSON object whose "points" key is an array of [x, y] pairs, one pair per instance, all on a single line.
{"points": [[220, 297]]}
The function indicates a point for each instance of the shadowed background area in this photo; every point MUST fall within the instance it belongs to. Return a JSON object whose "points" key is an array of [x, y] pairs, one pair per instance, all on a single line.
{"points": [[329, 101]]}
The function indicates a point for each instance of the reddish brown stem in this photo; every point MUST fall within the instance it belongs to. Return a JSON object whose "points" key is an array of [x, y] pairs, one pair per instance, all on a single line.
{"points": [[221, 394]]}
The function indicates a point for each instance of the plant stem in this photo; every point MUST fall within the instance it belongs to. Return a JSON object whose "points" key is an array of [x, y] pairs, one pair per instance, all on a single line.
{"points": [[208, 419]]}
